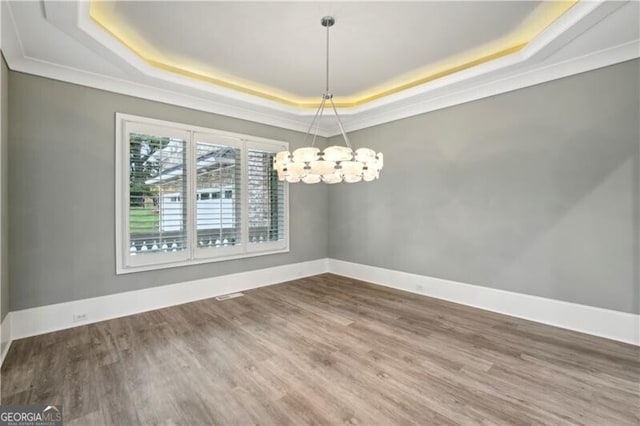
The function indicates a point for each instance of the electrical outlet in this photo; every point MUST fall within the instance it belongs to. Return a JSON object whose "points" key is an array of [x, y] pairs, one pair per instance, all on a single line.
{"points": [[80, 317]]}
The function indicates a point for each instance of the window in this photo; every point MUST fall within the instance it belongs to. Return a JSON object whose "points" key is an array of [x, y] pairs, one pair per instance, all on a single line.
{"points": [[187, 195]]}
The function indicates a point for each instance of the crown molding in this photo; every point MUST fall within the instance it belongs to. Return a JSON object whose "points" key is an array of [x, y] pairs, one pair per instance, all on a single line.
{"points": [[19, 61], [541, 61], [603, 58]]}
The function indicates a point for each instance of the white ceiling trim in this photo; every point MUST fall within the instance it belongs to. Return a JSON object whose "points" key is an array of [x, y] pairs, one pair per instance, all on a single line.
{"points": [[537, 63], [529, 78]]}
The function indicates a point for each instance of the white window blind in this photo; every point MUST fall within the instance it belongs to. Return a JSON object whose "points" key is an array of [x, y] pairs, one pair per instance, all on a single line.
{"points": [[187, 195], [218, 195], [157, 185], [265, 199]]}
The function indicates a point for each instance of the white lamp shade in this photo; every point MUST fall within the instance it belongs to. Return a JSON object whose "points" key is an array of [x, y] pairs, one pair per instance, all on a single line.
{"points": [[380, 162], [365, 155], [338, 153], [305, 154], [283, 157], [322, 167], [369, 175], [332, 178], [295, 169], [352, 178], [336, 164], [351, 168], [311, 178]]}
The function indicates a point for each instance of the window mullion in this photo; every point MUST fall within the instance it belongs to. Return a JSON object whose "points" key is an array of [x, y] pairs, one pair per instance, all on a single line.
{"points": [[192, 222], [244, 166], [123, 209]]}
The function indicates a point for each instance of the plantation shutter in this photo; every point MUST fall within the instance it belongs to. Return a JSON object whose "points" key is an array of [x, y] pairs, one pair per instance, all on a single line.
{"points": [[189, 195], [265, 201], [218, 211], [157, 187]]}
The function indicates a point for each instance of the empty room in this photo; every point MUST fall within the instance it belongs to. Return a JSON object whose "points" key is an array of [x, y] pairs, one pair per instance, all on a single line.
{"points": [[319, 213]]}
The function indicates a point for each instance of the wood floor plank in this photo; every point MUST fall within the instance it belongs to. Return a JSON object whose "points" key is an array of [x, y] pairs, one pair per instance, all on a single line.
{"points": [[325, 350]]}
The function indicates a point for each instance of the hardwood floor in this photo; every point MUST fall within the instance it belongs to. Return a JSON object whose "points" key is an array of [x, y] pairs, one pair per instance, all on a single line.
{"points": [[325, 350]]}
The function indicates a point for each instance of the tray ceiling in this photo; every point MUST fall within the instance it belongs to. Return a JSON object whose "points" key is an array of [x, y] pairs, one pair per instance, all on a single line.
{"points": [[277, 50], [264, 61]]}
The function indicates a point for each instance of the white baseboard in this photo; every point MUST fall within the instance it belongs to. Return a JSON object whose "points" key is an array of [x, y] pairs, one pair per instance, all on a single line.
{"points": [[615, 325], [620, 326], [44, 319], [5, 337]]}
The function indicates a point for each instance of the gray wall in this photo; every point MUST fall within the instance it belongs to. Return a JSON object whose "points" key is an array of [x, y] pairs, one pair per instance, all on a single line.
{"points": [[61, 203], [533, 191], [4, 191]]}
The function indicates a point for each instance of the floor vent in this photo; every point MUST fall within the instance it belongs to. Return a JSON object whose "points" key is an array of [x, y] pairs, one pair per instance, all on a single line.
{"points": [[229, 296]]}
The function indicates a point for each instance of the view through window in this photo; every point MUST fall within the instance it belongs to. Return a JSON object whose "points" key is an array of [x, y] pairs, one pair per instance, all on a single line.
{"points": [[191, 195]]}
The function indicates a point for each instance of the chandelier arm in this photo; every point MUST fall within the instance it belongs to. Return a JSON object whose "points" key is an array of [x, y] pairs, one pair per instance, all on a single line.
{"points": [[344, 135], [315, 133], [315, 117]]}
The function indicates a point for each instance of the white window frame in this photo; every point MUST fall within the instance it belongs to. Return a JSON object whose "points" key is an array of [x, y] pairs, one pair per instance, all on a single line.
{"points": [[125, 263], [219, 252]]}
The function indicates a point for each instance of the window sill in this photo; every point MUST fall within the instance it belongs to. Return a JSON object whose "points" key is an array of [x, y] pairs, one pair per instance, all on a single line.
{"points": [[120, 269]]}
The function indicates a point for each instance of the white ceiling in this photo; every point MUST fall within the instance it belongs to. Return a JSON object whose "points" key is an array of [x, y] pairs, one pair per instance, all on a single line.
{"points": [[281, 46]]}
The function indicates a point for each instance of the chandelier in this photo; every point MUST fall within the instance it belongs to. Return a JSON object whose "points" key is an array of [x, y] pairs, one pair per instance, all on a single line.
{"points": [[333, 164]]}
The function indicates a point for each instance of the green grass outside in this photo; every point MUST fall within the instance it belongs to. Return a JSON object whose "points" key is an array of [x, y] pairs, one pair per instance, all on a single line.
{"points": [[143, 220]]}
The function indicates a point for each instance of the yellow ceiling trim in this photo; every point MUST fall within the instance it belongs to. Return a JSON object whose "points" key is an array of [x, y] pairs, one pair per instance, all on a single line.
{"points": [[532, 27]]}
